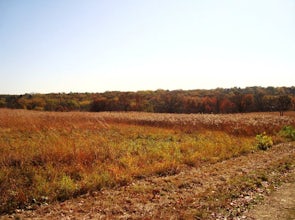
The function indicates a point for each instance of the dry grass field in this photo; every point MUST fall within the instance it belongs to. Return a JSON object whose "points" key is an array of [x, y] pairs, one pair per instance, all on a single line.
{"points": [[49, 156]]}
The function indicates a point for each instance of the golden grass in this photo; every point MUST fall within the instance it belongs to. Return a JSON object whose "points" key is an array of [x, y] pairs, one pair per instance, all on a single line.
{"points": [[46, 156]]}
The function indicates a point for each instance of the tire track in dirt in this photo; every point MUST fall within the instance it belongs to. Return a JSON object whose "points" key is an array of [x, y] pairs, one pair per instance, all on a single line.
{"points": [[173, 197]]}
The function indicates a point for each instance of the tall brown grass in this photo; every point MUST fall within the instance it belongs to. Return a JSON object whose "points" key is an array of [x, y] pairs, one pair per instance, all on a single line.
{"points": [[46, 156]]}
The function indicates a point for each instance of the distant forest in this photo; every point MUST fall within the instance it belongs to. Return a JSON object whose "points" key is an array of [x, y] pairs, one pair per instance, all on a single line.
{"points": [[233, 100]]}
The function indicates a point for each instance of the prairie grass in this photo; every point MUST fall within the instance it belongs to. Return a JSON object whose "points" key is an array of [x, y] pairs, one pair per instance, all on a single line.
{"points": [[61, 155]]}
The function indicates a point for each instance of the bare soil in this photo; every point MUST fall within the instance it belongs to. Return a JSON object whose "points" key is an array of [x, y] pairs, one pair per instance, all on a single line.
{"points": [[279, 205], [223, 190]]}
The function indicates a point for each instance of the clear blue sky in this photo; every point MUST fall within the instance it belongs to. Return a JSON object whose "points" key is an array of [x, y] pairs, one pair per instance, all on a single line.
{"points": [[98, 45]]}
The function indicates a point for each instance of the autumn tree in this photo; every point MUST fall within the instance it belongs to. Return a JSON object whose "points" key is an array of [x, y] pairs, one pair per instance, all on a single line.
{"points": [[227, 106], [2, 102], [258, 101], [270, 103], [247, 102], [283, 103], [218, 100], [99, 105], [210, 104]]}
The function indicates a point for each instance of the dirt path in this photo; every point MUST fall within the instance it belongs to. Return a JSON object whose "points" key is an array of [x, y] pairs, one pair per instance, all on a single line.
{"points": [[192, 193], [279, 205]]}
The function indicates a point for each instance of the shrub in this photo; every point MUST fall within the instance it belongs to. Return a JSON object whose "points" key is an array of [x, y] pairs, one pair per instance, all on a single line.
{"points": [[66, 188], [288, 132], [263, 141]]}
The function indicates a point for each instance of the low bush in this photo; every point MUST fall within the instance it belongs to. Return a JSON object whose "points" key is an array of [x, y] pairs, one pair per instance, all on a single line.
{"points": [[264, 141], [288, 132]]}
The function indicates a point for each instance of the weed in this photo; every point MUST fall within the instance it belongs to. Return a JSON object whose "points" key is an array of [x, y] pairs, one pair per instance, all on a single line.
{"points": [[288, 132], [263, 141], [66, 188], [96, 181]]}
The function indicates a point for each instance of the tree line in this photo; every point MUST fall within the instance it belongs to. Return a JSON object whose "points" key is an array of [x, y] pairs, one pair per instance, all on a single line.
{"points": [[232, 100]]}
